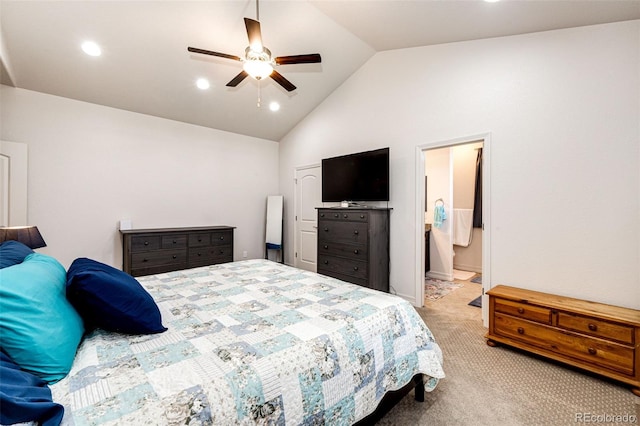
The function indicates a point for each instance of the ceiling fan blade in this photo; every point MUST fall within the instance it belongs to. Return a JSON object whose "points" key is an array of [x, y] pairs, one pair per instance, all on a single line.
{"points": [[254, 33], [237, 79], [311, 58], [209, 52], [278, 78]]}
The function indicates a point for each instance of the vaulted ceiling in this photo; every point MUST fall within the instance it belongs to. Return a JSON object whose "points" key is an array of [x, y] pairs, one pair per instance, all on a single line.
{"points": [[145, 66]]}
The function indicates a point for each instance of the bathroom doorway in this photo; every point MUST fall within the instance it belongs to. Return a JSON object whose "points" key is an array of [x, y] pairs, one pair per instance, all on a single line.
{"points": [[449, 190]]}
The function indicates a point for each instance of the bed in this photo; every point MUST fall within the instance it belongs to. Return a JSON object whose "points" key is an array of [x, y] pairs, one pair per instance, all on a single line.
{"points": [[251, 342]]}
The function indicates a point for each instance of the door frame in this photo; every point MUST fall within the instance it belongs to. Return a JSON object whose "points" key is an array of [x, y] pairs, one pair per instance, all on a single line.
{"points": [[486, 214], [296, 241]]}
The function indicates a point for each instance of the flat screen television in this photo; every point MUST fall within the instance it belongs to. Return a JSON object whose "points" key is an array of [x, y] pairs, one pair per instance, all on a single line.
{"points": [[363, 176]]}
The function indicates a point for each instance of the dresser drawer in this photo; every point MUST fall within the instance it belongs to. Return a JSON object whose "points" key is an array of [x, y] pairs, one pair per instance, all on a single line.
{"points": [[353, 268], [158, 257], [523, 310], [174, 241], [357, 216], [221, 237], [146, 242], [596, 327], [201, 239], [210, 255], [604, 354], [343, 232], [357, 251], [347, 278]]}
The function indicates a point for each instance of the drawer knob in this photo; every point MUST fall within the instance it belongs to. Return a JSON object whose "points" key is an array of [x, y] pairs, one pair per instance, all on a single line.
{"points": [[326, 229], [520, 330], [345, 215], [592, 351], [222, 238], [355, 268], [199, 239], [356, 251], [326, 262], [221, 251], [325, 247], [335, 215], [175, 242], [199, 254], [521, 310], [355, 232], [145, 260], [321, 214], [174, 256], [361, 216], [593, 327], [146, 243]]}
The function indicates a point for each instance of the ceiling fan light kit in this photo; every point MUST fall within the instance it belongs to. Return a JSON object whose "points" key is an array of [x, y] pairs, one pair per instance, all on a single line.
{"points": [[258, 64], [257, 61]]}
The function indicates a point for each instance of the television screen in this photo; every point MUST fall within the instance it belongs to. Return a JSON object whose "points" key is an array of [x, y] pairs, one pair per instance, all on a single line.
{"points": [[363, 176]]}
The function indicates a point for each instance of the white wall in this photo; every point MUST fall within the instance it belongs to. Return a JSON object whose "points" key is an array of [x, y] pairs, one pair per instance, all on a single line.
{"points": [[562, 108], [90, 166]]}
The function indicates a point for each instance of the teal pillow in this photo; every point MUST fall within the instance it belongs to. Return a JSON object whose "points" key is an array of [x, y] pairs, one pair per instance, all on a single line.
{"points": [[39, 329]]}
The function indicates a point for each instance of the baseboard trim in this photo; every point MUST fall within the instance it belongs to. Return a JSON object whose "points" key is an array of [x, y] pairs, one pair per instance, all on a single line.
{"points": [[471, 268]]}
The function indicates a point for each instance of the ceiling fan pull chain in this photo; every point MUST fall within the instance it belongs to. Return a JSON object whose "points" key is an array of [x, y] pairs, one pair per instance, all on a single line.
{"points": [[259, 92], [257, 11]]}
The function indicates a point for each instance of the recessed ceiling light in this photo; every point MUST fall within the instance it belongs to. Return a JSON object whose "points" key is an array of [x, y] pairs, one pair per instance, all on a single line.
{"points": [[274, 106], [202, 83], [91, 48]]}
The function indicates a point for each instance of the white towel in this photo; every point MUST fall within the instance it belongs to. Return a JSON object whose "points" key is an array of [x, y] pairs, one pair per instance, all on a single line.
{"points": [[462, 227]]}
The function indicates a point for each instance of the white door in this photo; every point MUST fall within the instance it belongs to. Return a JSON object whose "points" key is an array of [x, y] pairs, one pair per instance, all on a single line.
{"points": [[308, 198]]}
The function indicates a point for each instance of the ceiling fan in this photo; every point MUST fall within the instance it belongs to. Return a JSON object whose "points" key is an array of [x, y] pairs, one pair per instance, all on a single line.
{"points": [[257, 61]]}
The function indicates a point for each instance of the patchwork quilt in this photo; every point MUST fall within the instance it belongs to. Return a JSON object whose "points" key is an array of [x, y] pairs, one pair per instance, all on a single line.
{"points": [[251, 342]]}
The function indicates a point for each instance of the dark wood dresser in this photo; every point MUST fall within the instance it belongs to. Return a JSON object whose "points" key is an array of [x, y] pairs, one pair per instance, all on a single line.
{"points": [[153, 251], [353, 245], [603, 339]]}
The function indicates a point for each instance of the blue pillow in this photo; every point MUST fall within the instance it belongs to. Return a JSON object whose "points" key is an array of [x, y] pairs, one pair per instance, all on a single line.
{"points": [[12, 253], [40, 329], [25, 397], [111, 299]]}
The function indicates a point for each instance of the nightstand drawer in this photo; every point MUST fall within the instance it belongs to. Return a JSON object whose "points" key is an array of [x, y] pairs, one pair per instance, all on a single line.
{"points": [[604, 354], [353, 268], [523, 310], [352, 251], [595, 327]]}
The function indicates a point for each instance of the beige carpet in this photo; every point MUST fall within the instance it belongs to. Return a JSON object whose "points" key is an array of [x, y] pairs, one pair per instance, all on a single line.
{"points": [[501, 386]]}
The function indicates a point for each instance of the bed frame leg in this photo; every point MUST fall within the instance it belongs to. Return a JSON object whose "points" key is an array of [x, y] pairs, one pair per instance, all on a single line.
{"points": [[419, 389]]}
